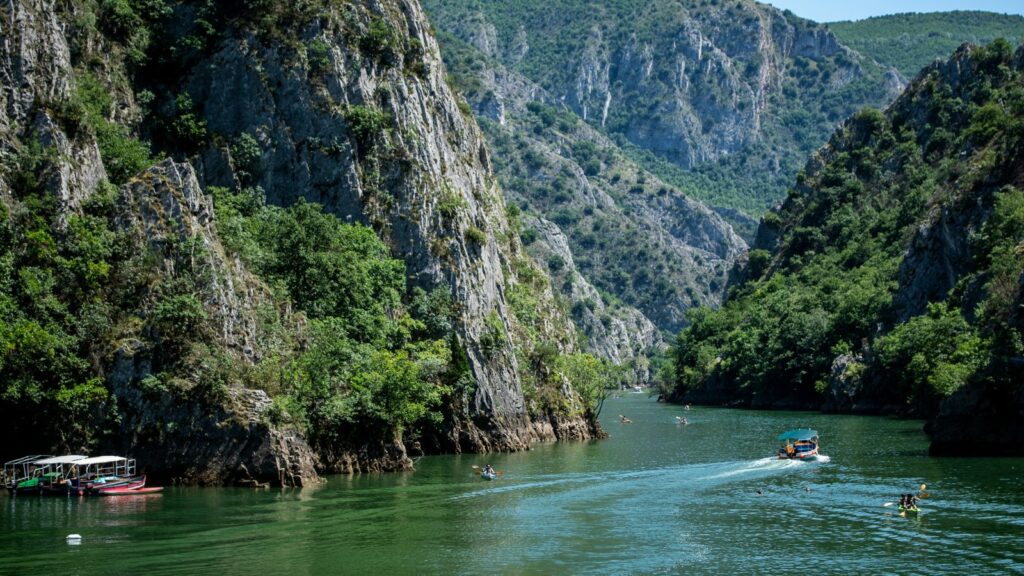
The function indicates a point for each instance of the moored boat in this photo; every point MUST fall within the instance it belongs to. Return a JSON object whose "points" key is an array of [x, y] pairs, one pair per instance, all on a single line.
{"points": [[105, 472], [801, 444], [131, 491], [40, 474], [62, 471], [19, 470], [133, 483]]}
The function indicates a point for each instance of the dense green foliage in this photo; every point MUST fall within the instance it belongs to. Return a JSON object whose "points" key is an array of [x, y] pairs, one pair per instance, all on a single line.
{"points": [[57, 298], [837, 280], [909, 42], [349, 352], [369, 365]]}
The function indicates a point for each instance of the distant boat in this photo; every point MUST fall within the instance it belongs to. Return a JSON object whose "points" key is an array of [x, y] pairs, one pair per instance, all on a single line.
{"points": [[801, 444]]}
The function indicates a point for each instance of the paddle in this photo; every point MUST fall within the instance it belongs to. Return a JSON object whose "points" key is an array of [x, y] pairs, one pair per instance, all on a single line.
{"points": [[920, 494]]}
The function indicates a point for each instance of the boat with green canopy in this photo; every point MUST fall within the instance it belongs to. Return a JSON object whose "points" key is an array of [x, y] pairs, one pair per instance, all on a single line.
{"points": [[40, 474], [800, 444]]}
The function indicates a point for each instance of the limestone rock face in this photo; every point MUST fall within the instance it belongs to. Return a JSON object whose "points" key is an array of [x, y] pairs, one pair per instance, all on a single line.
{"points": [[164, 205], [421, 176], [630, 234], [36, 77], [182, 437], [185, 434], [621, 334], [692, 83]]}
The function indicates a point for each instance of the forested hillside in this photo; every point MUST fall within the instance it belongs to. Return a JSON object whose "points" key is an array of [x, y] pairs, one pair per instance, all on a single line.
{"points": [[909, 42], [890, 279]]}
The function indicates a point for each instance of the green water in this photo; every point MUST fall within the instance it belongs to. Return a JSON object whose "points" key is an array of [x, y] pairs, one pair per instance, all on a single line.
{"points": [[654, 498]]}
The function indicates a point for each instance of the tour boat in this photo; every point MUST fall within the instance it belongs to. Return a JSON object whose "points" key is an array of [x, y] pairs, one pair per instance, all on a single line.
{"points": [[801, 444], [74, 475], [40, 474], [60, 474], [101, 473], [19, 470]]}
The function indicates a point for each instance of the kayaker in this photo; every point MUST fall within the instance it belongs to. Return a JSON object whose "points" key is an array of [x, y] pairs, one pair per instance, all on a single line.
{"points": [[488, 470], [624, 420]]}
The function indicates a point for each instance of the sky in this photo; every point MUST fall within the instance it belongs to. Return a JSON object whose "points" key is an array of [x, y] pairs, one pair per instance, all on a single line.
{"points": [[834, 10]]}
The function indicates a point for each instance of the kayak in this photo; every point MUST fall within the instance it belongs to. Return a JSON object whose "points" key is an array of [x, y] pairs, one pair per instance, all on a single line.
{"points": [[909, 510], [488, 475]]}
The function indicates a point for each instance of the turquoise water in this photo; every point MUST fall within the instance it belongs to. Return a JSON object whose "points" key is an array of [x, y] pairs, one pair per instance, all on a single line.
{"points": [[655, 498]]}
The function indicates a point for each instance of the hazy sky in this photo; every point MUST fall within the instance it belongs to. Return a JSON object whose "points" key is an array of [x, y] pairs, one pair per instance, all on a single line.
{"points": [[833, 10]]}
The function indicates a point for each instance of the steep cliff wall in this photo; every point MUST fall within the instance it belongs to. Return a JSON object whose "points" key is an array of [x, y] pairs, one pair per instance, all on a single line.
{"points": [[353, 112], [735, 93], [170, 345], [633, 236]]}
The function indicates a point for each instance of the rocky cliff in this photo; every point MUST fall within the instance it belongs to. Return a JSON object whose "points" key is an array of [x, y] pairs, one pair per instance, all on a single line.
{"points": [[732, 91], [342, 105], [422, 177], [634, 237]]}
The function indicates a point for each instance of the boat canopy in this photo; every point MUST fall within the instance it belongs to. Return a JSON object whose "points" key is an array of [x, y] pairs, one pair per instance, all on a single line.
{"points": [[100, 460], [798, 434], [70, 459]]}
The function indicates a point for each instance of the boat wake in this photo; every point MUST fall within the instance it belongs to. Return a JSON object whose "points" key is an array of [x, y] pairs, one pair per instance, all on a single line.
{"points": [[696, 476], [756, 468]]}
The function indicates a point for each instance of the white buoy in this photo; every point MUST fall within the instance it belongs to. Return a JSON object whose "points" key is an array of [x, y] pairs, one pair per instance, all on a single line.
{"points": [[74, 539]]}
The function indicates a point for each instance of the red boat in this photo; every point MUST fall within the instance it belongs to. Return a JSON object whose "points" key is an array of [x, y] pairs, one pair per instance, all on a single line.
{"points": [[133, 483], [131, 491], [104, 473]]}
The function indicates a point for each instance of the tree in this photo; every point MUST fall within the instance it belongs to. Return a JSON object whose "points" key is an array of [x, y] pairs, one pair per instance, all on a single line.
{"points": [[592, 378]]}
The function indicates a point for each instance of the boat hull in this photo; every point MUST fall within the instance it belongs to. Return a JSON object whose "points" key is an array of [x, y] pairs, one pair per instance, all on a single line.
{"points": [[487, 476], [93, 489], [132, 491], [799, 456]]}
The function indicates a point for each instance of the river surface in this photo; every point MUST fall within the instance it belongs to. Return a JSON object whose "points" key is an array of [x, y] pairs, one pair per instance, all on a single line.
{"points": [[655, 498]]}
